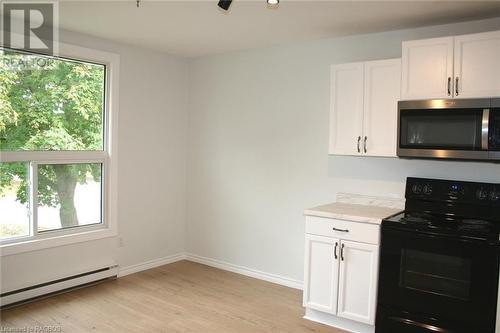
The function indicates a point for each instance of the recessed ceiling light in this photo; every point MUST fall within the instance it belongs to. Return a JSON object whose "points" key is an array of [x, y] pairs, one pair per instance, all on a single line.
{"points": [[273, 2]]}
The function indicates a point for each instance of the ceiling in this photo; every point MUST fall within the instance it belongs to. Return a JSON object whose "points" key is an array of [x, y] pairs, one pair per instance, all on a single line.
{"points": [[195, 28]]}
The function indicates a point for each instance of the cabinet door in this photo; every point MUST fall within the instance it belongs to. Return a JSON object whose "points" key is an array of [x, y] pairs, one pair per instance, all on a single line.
{"points": [[321, 273], [358, 281], [381, 94], [346, 115], [477, 65], [427, 67]]}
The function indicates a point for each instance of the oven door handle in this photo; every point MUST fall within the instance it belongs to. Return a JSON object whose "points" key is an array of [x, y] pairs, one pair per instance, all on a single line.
{"points": [[485, 125], [430, 328]]}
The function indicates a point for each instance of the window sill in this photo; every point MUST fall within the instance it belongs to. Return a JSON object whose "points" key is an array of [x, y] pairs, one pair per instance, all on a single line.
{"points": [[60, 240]]}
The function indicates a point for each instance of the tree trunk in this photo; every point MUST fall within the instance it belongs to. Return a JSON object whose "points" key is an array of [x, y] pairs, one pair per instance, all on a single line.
{"points": [[66, 184]]}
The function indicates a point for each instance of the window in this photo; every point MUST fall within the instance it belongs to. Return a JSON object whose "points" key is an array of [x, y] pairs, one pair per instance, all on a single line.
{"points": [[55, 144]]}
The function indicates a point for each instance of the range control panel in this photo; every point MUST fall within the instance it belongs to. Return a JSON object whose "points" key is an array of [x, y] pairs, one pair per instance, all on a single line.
{"points": [[457, 191]]}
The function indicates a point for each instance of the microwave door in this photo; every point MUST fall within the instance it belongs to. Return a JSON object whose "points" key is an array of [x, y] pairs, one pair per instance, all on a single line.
{"points": [[443, 133]]}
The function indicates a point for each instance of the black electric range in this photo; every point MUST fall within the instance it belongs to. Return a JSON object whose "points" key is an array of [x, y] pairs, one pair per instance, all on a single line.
{"points": [[440, 259]]}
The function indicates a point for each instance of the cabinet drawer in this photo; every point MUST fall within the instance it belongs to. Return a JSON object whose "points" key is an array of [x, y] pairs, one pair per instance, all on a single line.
{"points": [[359, 232]]}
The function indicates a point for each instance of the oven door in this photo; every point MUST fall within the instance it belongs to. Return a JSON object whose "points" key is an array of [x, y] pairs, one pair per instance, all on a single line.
{"points": [[435, 129], [438, 282]]}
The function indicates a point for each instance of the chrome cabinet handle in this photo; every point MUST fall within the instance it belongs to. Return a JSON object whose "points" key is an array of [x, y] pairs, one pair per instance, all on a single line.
{"points": [[364, 145], [342, 253], [359, 140], [335, 250], [341, 230], [449, 85], [456, 86]]}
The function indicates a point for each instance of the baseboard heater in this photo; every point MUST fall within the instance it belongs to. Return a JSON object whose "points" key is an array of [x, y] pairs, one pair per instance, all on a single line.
{"points": [[28, 294]]}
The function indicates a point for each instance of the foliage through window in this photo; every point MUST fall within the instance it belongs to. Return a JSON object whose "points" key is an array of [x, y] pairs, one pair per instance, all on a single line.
{"points": [[52, 128]]}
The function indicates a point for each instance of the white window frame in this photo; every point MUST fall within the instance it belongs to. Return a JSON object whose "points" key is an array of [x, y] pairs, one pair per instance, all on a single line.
{"points": [[108, 158]]}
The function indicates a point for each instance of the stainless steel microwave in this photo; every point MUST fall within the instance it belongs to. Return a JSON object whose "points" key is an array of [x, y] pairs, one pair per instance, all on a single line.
{"points": [[450, 129]]}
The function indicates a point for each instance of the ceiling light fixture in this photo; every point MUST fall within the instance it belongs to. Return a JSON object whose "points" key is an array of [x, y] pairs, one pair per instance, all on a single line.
{"points": [[224, 4]]}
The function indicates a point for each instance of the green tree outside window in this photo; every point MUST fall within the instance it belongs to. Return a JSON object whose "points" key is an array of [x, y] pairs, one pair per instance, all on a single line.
{"points": [[50, 104]]}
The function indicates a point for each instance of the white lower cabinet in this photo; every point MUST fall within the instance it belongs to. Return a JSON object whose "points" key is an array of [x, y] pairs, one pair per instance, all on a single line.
{"points": [[341, 274]]}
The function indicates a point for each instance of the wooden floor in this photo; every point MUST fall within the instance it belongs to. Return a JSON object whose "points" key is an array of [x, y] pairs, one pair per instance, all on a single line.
{"points": [[180, 297]]}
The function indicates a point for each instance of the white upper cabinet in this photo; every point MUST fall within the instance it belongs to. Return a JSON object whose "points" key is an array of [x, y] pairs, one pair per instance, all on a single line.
{"points": [[427, 67], [321, 273], [358, 281], [363, 118], [346, 118], [477, 65], [381, 95], [465, 66]]}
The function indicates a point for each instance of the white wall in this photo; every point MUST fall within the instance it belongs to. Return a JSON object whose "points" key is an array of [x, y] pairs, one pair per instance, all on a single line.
{"points": [[258, 147], [152, 146]]}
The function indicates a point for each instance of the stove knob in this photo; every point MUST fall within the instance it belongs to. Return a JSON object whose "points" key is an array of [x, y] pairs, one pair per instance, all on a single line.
{"points": [[427, 189], [481, 194], [416, 188], [494, 195]]}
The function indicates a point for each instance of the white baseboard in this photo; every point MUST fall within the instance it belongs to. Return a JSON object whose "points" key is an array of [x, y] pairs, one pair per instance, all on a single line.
{"points": [[296, 284], [284, 281], [122, 271]]}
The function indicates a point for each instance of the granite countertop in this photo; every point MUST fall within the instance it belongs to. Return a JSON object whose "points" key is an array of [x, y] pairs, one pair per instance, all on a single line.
{"points": [[353, 212]]}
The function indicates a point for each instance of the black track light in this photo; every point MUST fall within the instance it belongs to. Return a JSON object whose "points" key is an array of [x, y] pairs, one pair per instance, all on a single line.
{"points": [[224, 4]]}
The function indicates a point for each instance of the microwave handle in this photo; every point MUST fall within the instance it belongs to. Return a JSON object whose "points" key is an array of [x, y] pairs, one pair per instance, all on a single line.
{"points": [[485, 129]]}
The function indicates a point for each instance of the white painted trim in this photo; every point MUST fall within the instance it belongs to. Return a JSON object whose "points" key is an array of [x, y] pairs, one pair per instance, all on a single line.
{"points": [[51, 288], [123, 271], [334, 321], [83, 235], [278, 279], [54, 156], [281, 280]]}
